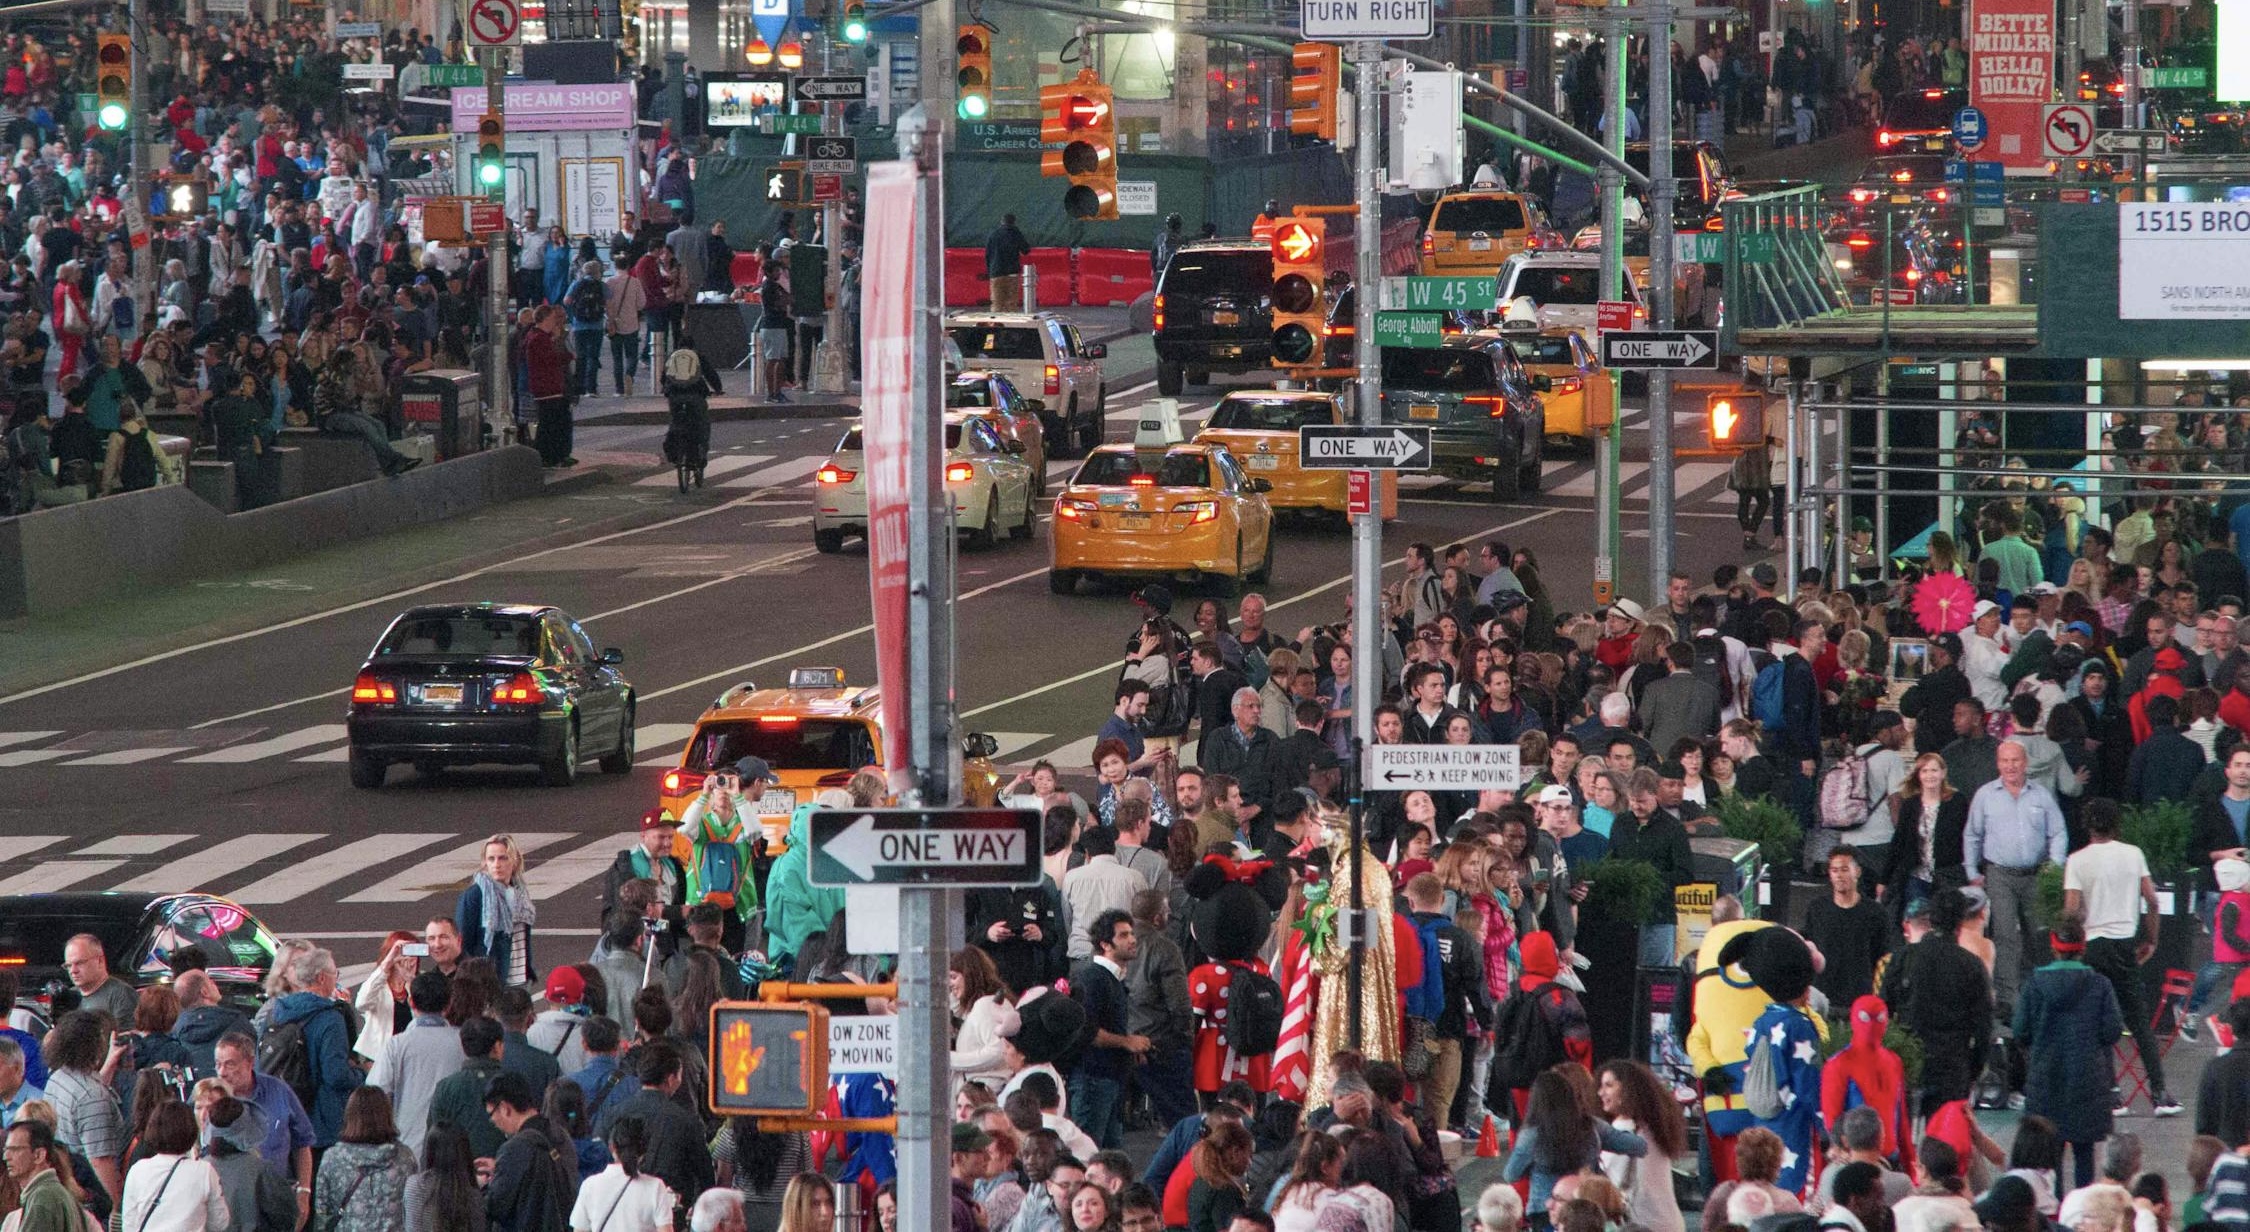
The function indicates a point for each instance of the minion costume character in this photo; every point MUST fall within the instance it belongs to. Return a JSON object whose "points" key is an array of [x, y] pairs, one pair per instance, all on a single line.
{"points": [[1727, 1003]]}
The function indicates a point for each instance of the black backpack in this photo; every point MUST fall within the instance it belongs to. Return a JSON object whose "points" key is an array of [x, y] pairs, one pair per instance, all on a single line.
{"points": [[588, 302], [285, 1053], [1711, 666], [137, 464], [1254, 1007], [1526, 1041]]}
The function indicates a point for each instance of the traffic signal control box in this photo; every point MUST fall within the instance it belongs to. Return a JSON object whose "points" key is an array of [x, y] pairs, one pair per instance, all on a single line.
{"points": [[768, 1059]]}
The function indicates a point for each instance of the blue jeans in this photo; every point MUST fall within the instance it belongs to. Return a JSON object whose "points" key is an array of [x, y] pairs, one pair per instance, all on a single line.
{"points": [[624, 360], [1168, 1079], [588, 345], [2214, 975], [1097, 1105]]}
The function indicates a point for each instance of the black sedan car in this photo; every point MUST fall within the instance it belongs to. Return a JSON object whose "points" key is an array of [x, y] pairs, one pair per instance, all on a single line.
{"points": [[140, 933], [473, 683]]}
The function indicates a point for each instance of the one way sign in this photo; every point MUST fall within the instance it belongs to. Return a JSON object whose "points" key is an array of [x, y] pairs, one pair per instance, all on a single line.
{"points": [[1670, 348], [1352, 447]]}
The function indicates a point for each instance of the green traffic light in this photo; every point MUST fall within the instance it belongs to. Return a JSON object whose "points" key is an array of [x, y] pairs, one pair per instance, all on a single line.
{"points": [[488, 174], [973, 106], [112, 116], [855, 30]]}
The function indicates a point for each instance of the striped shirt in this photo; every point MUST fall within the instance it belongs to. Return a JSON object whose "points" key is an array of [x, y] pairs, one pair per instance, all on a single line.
{"points": [[87, 1118]]}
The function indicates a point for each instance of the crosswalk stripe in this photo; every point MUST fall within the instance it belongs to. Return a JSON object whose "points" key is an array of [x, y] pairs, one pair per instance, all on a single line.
{"points": [[550, 878], [286, 742], [24, 737], [650, 736], [723, 464], [193, 871], [32, 757], [131, 757], [1071, 758], [48, 876], [779, 473], [16, 846], [305, 876], [341, 753], [442, 873], [133, 845]]}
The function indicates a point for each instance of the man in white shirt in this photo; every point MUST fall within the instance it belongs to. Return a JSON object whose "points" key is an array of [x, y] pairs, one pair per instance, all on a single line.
{"points": [[1984, 655], [2109, 882], [1100, 884], [1886, 772]]}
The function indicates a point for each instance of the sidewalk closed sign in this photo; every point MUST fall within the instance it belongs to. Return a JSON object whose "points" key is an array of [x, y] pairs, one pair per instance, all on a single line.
{"points": [[1443, 767]]}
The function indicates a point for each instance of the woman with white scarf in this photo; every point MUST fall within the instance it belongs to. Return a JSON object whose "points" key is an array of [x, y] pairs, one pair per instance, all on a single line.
{"points": [[495, 913]]}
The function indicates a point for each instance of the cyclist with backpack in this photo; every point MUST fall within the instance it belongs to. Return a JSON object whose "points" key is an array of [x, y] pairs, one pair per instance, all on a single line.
{"points": [[688, 384]]}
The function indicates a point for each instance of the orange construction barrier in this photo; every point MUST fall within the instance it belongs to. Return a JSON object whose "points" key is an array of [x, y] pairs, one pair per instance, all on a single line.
{"points": [[965, 283], [1109, 276], [1058, 282]]}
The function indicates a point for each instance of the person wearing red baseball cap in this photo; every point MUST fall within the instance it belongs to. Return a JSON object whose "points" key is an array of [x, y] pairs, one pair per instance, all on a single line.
{"points": [[649, 859]]}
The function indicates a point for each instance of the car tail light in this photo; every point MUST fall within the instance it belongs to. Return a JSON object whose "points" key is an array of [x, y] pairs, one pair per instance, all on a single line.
{"points": [[1886, 138], [1204, 511], [521, 689], [1571, 385], [834, 474], [1859, 240], [1054, 379], [777, 720], [1902, 176], [1429, 243], [1861, 196], [1939, 195], [371, 688], [1497, 403], [1533, 241], [1073, 510], [1157, 305], [959, 472], [683, 782], [13, 960]]}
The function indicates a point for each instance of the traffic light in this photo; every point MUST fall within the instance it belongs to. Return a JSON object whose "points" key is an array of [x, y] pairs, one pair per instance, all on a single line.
{"points": [[113, 76], [852, 27], [785, 184], [1081, 117], [791, 54], [1312, 92], [768, 1059], [492, 155], [1737, 420], [975, 72], [1298, 278], [180, 196]]}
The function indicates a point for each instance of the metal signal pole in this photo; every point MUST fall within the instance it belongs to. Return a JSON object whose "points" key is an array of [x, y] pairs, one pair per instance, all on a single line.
{"points": [[499, 383], [1661, 228], [1367, 528], [1609, 452]]}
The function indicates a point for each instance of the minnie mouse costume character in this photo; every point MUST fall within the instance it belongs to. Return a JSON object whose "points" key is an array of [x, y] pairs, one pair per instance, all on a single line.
{"points": [[1233, 914]]}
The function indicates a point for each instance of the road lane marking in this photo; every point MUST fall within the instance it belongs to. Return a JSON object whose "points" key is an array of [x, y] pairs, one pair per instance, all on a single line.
{"points": [[549, 878], [51, 875], [32, 757], [133, 845], [286, 742], [25, 737], [193, 872], [1112, 667], [16, 846], [791, 473], [444, 873], [725, 464], [131, 757], [304, 877]]}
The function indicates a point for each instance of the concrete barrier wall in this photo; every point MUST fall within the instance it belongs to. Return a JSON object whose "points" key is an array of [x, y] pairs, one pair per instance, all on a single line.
{"points": [[57, 559]]}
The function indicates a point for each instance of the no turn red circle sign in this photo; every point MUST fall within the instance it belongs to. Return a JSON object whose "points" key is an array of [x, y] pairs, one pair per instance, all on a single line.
{"points": [[494, 23]]}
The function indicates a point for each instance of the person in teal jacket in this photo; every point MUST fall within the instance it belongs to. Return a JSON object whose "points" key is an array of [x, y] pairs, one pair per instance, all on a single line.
{"points": [[795, 908]]}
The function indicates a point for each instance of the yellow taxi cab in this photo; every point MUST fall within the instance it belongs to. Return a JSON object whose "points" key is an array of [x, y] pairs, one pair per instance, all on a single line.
{"points": [[1474, 230], [815, 732], [1184, 511], [1259, 427], [1578, 400]]}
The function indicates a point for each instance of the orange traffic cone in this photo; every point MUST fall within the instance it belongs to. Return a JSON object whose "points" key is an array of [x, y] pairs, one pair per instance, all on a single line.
{"points": [[1488, 1142]]}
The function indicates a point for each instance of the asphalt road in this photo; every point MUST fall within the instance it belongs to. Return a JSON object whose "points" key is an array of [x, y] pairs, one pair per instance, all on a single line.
{"points": [[211, 755]]}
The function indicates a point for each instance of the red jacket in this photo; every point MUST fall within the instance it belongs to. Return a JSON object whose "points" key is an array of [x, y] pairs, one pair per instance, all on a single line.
{"points": [[547, 364]]}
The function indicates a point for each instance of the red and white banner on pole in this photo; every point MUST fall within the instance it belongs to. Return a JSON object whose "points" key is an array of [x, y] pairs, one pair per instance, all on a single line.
{"points": [[886, 413], [2011, 76]]}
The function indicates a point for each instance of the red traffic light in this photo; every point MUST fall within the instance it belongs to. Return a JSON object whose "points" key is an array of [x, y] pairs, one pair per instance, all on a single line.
{"points": [[114, 53], [1295, 242], [1080, 112], [973, 42]]}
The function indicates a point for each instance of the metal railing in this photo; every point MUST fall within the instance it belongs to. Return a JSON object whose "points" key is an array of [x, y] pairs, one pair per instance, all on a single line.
{"points": [[1799, 283]]}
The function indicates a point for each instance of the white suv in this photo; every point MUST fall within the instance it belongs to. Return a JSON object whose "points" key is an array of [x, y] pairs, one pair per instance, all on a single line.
{"points": [[1044, 357]]}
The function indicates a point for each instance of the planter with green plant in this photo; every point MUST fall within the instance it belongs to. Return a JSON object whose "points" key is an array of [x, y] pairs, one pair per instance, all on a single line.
{"points": [[2162, 832], [1774, 829]]}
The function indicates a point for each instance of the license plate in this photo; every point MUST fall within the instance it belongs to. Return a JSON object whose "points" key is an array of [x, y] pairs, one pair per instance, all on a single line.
{"points": [[1132, 521], [776, 801], [1226, 318], [1264, 462], [442, 694], [1480, 245], [1901, 199], [1422, 410], [1229, 352]]}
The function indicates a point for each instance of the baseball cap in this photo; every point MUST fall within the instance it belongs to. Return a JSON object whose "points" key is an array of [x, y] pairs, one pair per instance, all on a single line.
{"points": [[1983, 607], [1671, 770], [1155, 596], [1885, 720], [1863, 522], [657, 819], [1629, 610], [2079, 627], [755, 770], [1556, 794], [2045, 588], [565, 986], [1950, 643], [1508, 601], [969, 1137]]}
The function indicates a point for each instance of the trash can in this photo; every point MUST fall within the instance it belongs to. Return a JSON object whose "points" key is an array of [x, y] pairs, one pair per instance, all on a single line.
{"points": [[447, 403], [1731, 864]]}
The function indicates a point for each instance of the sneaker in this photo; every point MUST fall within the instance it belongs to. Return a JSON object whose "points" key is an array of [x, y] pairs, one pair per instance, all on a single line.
{"points": [[2124, 1108], [2187, 1026], [2166, 1106]]}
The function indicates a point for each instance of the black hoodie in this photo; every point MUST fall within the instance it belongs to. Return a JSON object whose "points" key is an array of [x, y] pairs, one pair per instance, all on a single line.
{"points": [[199, 1029]]}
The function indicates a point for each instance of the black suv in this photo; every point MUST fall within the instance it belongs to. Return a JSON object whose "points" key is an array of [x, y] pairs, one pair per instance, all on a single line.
{"points": [[1482, 408], [1214, 312]]}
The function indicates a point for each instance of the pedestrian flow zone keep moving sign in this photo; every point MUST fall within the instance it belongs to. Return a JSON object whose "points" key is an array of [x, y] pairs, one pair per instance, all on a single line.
{"points": [[1443, 767]]}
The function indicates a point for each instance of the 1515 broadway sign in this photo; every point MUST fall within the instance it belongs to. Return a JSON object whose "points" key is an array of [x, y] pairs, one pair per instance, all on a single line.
{"points": [[2183, 262]]}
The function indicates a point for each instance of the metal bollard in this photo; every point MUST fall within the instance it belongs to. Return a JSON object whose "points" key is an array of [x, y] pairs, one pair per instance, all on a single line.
{"points": [[1030, 289]]}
